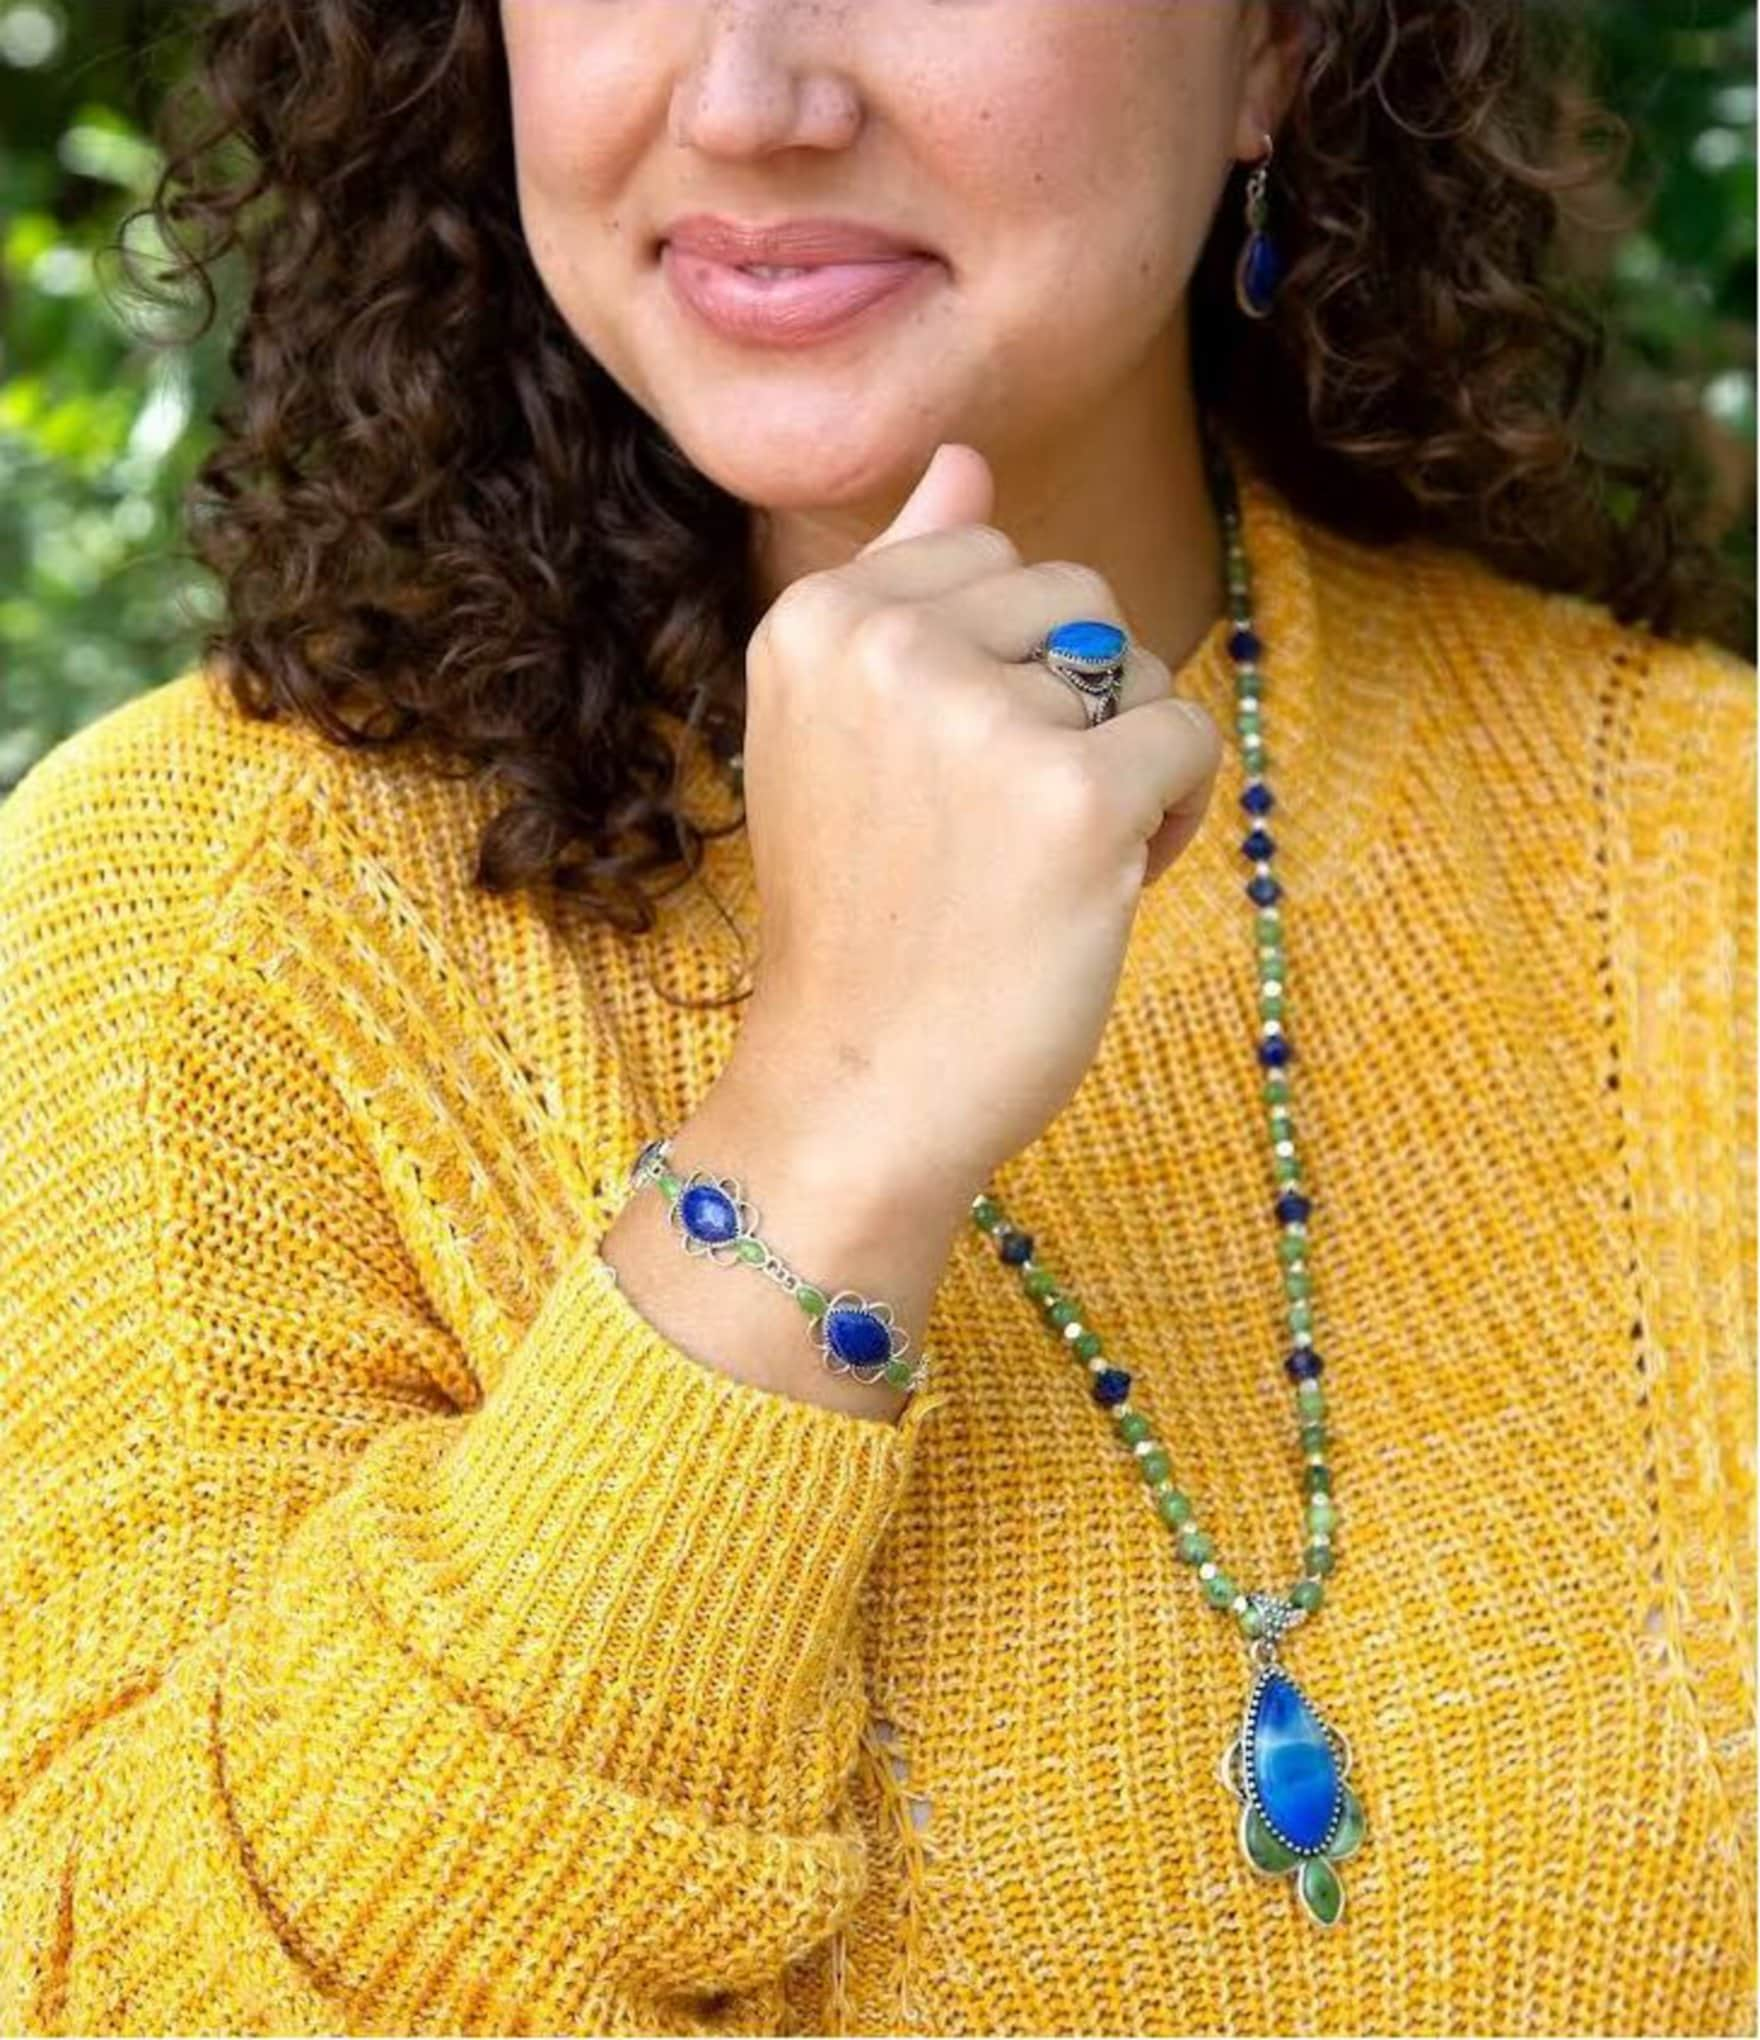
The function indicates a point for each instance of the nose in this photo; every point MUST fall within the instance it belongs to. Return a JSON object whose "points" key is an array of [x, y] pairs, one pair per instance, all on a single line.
{"points": [[761, 78]]}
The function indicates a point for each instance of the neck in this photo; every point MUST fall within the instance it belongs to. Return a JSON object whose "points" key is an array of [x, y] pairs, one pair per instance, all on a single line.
{"points": [[1122, 490]]}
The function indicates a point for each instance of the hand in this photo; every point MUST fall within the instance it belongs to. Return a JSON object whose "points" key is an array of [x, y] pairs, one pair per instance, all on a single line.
{"points": [[948, 860]]}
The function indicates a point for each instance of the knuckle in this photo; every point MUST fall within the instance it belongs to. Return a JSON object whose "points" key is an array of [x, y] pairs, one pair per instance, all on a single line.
{"points": [[1083, 583], [889, 641], [990, 539], [807, 613]]}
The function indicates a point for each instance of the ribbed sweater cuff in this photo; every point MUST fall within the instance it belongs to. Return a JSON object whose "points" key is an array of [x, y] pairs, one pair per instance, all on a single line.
{"points": [[649, 1565]]}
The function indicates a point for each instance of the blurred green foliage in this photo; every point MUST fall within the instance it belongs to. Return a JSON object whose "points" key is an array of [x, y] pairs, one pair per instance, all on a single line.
{"points": [[103, 418]]}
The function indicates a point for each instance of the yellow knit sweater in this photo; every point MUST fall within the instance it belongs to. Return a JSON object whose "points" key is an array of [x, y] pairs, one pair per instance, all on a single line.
{"points": [[397, 1634]]}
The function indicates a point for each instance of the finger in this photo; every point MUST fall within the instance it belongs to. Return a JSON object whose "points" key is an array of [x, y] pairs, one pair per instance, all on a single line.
{"points": [[931, 564], [1007, 614], [1160, 758]]}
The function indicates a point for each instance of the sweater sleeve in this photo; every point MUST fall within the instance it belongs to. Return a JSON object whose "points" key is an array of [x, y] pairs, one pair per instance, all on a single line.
{"points": [[1682, 941], [329, 1704]]}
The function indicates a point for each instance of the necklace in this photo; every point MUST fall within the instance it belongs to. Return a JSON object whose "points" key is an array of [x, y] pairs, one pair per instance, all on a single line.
{"points": [[1286, 1766]]}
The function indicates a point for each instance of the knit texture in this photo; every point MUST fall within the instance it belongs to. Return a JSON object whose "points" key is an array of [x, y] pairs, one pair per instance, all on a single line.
{"points": [[398, 1635]]}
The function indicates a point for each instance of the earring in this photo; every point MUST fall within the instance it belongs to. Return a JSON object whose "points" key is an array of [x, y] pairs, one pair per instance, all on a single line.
{"points": [[1260, 268]]}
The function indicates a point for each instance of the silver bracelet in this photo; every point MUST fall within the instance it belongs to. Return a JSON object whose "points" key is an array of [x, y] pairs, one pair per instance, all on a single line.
{"points": [[854, 1334]]}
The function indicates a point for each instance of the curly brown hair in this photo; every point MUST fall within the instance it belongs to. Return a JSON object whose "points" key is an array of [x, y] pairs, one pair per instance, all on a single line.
{"points": [[437, 520]]}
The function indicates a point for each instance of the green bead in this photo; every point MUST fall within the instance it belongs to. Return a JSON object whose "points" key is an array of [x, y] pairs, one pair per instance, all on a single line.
{"points": [[1319, 1558], [1297, 1283], [985, 1215], [1175, 1507], [899, 1371], [1277, 1089], [1088, 1345], [1038, 1282], [1322, 1512], [1271, 1005], [1286, 1168], [1154, 1465], [1133, 1426], [1219, 1590], [1063, 1312], [749, 1250], [1307, 1594], [1248, 684], [1351, 1827], [1250, 1620], [1321, 1891], [1247, 721], [1195, 1545], [1313, 1437], [1300, 1316], [1292, 1247], [1311, 1396], [1266, 1851], [1255, 756], [813, 1301], [670, 1183], [1318, 1479]]}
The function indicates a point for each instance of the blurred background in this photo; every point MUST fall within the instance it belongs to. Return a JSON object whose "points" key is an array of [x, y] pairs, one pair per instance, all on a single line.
{"points": [[104, 412]]}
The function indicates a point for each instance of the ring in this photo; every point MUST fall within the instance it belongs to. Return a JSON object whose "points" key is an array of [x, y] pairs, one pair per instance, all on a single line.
{"points": [[1090, 657]]}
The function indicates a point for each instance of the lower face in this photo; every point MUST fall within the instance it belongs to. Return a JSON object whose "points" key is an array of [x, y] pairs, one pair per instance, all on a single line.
{"points": [[1058, 163]]}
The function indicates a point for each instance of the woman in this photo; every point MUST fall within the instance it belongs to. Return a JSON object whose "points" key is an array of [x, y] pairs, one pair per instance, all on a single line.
{"points": [[446, 1589]]}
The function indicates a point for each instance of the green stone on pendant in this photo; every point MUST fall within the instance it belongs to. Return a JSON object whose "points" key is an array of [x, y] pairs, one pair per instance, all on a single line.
{"points": [[1321, 1891], [670, 1183], [1351, 1827], [749, 1250], [1262, 1846], [813, 1301], [898, 1371]]}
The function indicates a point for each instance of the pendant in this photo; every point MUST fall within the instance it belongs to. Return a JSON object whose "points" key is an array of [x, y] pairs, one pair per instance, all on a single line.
{"points": [[1288, 1768]]}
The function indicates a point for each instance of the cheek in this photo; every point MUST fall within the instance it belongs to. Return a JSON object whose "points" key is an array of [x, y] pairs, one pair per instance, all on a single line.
{"points": [[577, 103]]}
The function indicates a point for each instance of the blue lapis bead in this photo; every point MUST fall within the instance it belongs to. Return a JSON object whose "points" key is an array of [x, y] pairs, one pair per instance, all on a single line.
{"points": [[1304, 1364], [1275, 1052], [1293, 1765], [1292, 1207], [708, 1214], [858, 1337], [1258, 799], [1262, 891], [1015, 1247], [1111, 1385], [1089, 642], [1258, 844], [1243, 646]]}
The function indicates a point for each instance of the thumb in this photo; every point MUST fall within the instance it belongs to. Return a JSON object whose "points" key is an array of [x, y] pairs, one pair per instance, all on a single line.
{"points": [[956, 487]]}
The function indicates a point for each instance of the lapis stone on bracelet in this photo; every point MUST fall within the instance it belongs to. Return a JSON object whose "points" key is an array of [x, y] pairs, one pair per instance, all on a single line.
{"points": [[1258, 799], [1244, 646], [1304, 1364], [1262, 891], [1088, 643], [1294, 1768], [1275, 1052], [708, 1214], [1111, 1385], [1015, 1247], [1292, 1207], [858, 1337], [1258, 844]]}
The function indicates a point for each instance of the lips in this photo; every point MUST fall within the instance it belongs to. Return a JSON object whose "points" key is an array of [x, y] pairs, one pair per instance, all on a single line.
{"points": [[789, 311], [802, 243]]}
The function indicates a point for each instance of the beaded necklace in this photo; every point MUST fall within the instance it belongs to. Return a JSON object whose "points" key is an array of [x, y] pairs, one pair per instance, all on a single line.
{"points": [[1287, 1765]]}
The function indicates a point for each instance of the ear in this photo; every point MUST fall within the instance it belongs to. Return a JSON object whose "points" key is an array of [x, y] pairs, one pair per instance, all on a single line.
{"points": [[1275, 41]]}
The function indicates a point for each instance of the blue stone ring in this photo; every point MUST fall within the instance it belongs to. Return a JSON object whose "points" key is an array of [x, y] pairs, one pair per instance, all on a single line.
{"points": [[1090, 657]]}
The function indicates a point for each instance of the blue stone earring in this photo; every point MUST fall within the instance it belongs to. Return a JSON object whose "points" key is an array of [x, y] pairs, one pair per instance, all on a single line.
{"points": [[1260, 268]]}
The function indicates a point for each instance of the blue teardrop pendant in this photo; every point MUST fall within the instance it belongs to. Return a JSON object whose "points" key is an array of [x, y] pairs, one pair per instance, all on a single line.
{"points": [[1288, 1769], [1257, 275]]}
